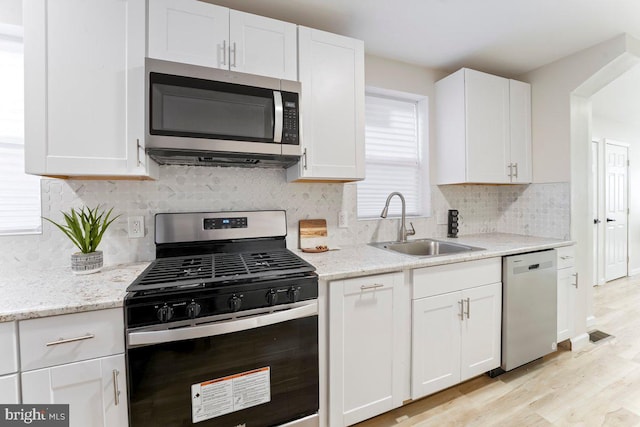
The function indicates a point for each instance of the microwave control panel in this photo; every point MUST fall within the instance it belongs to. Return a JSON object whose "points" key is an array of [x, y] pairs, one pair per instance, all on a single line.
{"points": [[291, 113]]}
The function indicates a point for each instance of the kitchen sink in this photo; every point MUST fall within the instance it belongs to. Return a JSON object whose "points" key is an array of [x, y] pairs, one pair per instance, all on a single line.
{"points": [[425, 247]]}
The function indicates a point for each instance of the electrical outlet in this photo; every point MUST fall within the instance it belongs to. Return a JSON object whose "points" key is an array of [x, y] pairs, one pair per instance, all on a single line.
{"points": [[343, 219], [135, 226]]}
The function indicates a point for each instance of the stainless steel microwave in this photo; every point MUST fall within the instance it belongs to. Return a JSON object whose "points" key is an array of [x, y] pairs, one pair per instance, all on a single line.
{"points": [[206, 116]]}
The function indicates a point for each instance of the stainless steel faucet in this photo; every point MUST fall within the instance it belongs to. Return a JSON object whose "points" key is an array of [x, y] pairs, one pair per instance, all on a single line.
{"points": [[403, 232]]}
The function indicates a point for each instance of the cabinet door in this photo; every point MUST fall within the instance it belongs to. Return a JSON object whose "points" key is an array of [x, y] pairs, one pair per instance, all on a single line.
{"points": [[567, 287], [365, 330], [84, 88], [331, 70], [481, 330], [520, 131], [263, 46], [9, 392], [487, 127], [8, 348], [435, 353], [95, 390], [189, 31]]}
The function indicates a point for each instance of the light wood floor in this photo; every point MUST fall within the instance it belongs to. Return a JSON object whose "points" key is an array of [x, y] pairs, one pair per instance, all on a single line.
{"points": [[599, 386]]}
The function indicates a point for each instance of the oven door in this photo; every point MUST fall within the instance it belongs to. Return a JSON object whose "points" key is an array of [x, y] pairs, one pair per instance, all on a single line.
{"points": [[260, 370]]}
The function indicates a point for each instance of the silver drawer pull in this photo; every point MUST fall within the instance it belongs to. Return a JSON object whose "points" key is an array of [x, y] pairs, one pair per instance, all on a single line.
{"points": [[116, 390], [576, 276], [566, 257], [368, 287], [67, 340]]}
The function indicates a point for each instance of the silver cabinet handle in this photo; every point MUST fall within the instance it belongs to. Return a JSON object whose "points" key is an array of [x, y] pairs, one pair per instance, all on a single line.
{"points": [[224, 52], [138, 157], [576, 276], [510, 170], [304, 159], [232, 50], [468, 307], [116, 390], [369, 287], [566, 257], [461, 302], [515, 165], [68, 340]]}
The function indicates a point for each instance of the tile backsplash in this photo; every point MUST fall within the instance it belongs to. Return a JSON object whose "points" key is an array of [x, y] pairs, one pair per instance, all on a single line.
{"points": [[536, 209]]}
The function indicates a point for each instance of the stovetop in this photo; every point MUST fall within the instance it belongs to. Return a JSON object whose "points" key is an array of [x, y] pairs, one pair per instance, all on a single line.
{"points": [[219, 269]]}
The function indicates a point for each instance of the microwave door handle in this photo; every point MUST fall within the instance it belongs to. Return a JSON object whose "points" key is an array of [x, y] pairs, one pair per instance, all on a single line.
{"points": [[278, 113]]}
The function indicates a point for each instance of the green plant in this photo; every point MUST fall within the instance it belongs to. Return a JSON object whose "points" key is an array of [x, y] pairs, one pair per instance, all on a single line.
{"points": [[85, 227]]}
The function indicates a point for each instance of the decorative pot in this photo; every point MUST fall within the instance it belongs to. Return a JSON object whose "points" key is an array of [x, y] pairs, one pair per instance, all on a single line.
{"points": [[86, 263]]}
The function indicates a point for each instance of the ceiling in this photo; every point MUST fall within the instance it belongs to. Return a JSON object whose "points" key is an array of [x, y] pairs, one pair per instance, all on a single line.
{"points": [[506, 37]]}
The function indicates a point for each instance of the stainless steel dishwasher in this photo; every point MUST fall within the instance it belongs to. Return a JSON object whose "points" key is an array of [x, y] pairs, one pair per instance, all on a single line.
{"points": [[529, 307]]}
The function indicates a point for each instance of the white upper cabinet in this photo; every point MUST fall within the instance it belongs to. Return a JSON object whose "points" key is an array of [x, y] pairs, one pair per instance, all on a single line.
{"points": [[331, 70], [483, 128], [199, 33], [84, 88]]}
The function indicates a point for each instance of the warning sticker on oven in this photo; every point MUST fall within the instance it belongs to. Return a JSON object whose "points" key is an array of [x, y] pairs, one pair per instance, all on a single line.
{"points": [[221, 396]]}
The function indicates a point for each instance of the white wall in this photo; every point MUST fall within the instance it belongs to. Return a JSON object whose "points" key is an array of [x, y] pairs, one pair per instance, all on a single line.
{"points": [[11, 12]]}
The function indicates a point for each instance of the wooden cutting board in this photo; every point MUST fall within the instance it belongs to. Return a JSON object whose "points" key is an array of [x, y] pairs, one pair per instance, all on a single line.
{"points": [[312, 233]]}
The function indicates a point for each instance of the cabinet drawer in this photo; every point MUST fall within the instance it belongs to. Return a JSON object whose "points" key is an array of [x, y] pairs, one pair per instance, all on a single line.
{"points": [[566, 256], [68, 338], [441, 279], [370, 283], [9, 393], [8, 348]]}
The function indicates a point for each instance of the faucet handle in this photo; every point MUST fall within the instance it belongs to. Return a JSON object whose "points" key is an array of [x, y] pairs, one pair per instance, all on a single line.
{"points": [[412, 232]]}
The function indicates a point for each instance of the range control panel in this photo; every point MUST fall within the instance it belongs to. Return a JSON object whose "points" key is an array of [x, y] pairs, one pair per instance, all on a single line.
{"points": [[223, 223]]}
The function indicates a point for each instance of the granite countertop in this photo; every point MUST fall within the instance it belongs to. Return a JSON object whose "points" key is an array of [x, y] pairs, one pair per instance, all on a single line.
{"points": [[52, 291], [360, 260]]}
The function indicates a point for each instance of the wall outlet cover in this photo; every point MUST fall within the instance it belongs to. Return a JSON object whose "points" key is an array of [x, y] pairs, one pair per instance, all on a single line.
{"points": [[135, 226]]}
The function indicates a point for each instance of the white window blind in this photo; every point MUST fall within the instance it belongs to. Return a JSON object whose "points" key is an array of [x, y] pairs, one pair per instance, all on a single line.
{"points": [[19, 192], [393, 157]]}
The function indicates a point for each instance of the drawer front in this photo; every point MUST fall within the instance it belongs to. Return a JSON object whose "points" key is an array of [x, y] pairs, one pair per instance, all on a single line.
{"points": [[69, 338], [371, 283], [566, 257], [8, 348], [9, 392], [441, 279]]}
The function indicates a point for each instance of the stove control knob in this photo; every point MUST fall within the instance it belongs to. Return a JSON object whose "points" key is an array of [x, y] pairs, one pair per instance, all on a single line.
{"points": [[294, 294], [193, 310], [272, 297], [165, 313], [235, 302]]}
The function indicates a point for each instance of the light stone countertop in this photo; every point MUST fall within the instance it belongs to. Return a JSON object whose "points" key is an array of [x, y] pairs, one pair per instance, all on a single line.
{"points": [[361, 260], [52, 291]]}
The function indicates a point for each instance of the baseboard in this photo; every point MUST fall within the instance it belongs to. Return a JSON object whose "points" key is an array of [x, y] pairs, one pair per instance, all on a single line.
{"points": [[579, 342], [634, 272], [591, 322]]}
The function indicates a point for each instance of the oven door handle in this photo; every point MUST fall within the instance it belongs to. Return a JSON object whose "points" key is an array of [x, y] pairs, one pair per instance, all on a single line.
{"points": [[136, 339]]}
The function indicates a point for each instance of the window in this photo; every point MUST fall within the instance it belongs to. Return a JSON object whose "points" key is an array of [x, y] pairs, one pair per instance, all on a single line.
{"points": [[19, 192], [395, 154]]}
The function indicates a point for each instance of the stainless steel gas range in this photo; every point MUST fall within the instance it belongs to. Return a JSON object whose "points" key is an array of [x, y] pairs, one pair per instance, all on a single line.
{"points": [[222, 329]]}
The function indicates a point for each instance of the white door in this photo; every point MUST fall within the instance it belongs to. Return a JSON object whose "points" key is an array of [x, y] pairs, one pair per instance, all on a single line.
{"points": [[96, 390], [364, 331], [263, 46], [435, 352], [487, 113], [616, 210], [189, 31], [481, 330]]}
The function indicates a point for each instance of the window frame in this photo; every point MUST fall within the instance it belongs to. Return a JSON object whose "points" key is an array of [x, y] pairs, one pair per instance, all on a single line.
{"points": [[422, 112]]}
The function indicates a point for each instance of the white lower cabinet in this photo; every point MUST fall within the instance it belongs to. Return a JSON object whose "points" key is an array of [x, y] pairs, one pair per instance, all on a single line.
{"points": [[77, 359], [368, 346], [455, 335], [9, 390], [567, 290], [96, 390]]}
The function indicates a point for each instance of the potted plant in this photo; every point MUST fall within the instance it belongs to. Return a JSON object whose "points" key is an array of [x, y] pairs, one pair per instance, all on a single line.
{"points": [[85, 227]]}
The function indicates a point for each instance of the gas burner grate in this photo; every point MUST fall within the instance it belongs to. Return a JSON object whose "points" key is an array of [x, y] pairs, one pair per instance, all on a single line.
{"points": [[208, 269]]}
